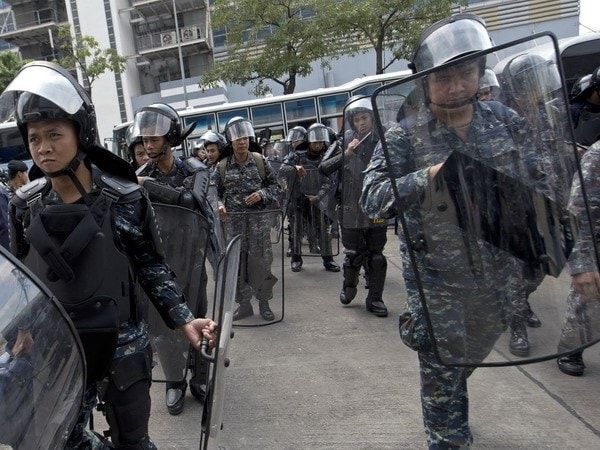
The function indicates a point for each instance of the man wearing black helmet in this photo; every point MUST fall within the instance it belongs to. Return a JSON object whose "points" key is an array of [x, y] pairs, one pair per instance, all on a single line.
{"points": [[585, 112], [135, 149], [246, 187], [84, 227], [173, 181], [585, 108], [363, 239], [213, 144], [458, 284], [308, 211]]}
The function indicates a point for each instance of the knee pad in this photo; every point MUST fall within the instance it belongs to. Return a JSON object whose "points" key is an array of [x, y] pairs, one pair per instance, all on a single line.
{"points": [[377, 262], [353, 258], [128, 414]]}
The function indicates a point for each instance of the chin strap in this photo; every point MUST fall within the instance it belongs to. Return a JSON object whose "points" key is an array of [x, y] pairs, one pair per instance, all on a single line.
{"points": [[70, 172]]}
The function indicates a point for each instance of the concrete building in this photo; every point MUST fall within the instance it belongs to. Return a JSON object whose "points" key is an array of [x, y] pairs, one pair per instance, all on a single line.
{"points": [[169, 43]]}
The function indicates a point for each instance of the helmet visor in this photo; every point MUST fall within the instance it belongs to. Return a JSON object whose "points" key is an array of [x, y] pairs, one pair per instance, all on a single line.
{"points": [[239, 130], [295, 135], [151, 123], [449, 41], [318, 134], [55, 87]]}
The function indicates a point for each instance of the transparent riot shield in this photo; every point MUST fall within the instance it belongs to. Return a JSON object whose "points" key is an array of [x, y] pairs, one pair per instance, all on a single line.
{"points": [[360, 139], [261, 274], [185, 236], [312, 216], [223, 306], [42, 368], [483, 194]]}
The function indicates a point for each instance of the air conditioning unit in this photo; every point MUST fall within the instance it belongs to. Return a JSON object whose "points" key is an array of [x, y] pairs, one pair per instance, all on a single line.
{"points": [[189, 33], [168, 38]]}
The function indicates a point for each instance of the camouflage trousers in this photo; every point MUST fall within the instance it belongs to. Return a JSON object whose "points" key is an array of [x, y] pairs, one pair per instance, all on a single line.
{"points": [[445, 403], [580, 316]]}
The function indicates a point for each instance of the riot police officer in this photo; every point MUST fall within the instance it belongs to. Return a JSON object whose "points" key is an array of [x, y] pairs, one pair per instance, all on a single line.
{"points": [[585, 108], [213, 144], [489, 88], [307, 212], [462, 292], [363, 239], [246, 187], [170, 180], [585, 112], [85, 228], [135, 149]]}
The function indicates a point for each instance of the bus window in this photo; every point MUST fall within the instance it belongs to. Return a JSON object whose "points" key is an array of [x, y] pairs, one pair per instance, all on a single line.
{"points": [[366, 90], [332, 105], [226, 115], [204, 122], [263, 116], [301, 110]]}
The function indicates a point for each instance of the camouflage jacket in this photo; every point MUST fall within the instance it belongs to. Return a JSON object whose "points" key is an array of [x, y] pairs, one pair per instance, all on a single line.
{"points": [[582, 258], [242, 180], [497, 137]]}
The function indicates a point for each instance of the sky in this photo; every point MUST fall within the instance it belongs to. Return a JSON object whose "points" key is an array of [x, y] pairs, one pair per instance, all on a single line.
{"points": [[589, 16]]}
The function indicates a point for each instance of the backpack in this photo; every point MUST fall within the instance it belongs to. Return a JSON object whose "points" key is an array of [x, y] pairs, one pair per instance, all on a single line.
{"points": [[260, 164]]}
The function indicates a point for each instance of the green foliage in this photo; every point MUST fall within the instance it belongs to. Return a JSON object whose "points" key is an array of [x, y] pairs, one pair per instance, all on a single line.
{"points": [[389, 27], [9, 66], [85, 54], [273, 41], [269, 41]]}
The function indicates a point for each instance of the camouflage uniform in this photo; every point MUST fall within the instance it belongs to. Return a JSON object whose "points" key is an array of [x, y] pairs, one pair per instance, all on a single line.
{"points": [[581, 311], [466, 290], [252, 222], [304, 215], [136, 239]]}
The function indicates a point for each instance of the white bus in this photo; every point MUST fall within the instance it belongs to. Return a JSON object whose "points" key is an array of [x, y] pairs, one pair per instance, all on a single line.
{"points": [[277, 113]]}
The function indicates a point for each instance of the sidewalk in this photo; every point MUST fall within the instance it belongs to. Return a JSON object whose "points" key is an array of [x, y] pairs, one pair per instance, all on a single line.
{"points": [[335, 377]]}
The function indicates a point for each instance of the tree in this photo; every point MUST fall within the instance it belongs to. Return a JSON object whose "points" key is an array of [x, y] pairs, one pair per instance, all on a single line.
{"points": [[274, 41], [387, 26], [85, 54], [9, 66]]}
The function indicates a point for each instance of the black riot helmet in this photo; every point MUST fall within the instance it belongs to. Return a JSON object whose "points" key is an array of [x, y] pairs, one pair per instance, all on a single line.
{"points": [[160, 119], [449, 39], [298, 133], [530, 75], [131, 139], [239, 127], [586, 84], [210, 137], [43, 90], [355, 105], [317, 132]]}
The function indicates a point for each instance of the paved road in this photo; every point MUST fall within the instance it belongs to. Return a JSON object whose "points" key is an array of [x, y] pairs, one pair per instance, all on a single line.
{"points": [[334, 377]]}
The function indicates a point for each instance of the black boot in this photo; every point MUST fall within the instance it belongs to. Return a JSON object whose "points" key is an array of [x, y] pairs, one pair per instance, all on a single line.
{"points": [[330, 264], [533, 320], [518, 344], [377, 307], [296, 263], [243, 310], [349, 284], [265, 310], [572, 364]]}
